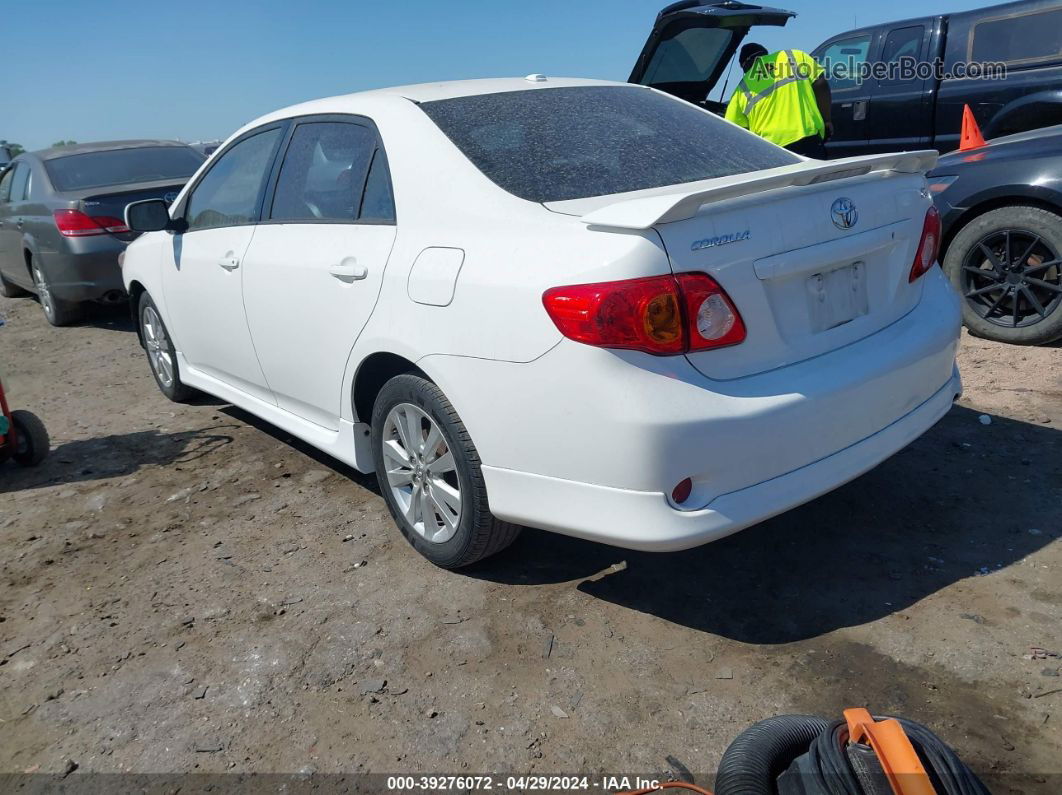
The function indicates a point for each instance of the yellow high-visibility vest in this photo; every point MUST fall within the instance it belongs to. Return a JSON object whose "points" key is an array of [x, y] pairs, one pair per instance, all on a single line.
{"points": [[775, 99]]}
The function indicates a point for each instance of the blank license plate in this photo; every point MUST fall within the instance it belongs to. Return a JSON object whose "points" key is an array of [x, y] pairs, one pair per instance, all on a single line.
{"points": [[837, 297]]}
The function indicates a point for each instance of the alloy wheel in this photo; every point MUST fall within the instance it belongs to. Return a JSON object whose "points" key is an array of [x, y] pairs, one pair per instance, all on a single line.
{"points": [[44, 293], [421, 473], [1013, 278], [158, 346]]}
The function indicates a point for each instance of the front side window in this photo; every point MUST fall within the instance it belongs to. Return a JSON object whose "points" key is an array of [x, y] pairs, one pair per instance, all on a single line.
{"points": [[231, 191], [844, 61], [555, 144], [324, 172], [122, 167]]}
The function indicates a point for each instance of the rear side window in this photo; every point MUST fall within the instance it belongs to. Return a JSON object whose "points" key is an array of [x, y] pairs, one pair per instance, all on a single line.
{"points": [[5, 185], [18, 182], [1033, 36], [122, 167], [324, 172], [378, 204], [690, 56], [570, 143], [903, 46], [230, 192]]}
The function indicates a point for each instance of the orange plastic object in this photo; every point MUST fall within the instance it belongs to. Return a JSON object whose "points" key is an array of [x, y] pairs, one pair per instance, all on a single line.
{"points": [[971, 133], [897, 756]]}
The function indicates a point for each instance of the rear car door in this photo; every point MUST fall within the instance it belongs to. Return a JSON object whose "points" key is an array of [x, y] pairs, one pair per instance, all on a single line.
{"points": [[315, 266], [844, 59], [203, 273], [901, 110], [8, 236]]}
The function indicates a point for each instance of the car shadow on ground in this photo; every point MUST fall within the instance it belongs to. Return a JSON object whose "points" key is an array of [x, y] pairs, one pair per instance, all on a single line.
{"points": [[114, 456], [923, 520], [367, 482]]}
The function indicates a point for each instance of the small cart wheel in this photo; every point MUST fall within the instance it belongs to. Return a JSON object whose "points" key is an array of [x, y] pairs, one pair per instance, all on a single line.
{"points": [[31, 438]]}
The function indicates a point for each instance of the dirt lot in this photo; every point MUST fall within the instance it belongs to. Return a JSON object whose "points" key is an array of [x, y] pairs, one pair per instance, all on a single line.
{"points": [[185, 589]]}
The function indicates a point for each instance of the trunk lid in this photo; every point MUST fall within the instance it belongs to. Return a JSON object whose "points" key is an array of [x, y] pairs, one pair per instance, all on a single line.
{"points": [[692, 42], [815, 256], [112, 201]]}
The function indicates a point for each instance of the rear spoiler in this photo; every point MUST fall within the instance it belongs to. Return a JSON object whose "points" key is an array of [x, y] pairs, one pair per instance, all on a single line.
{"points": [[645, 212]]}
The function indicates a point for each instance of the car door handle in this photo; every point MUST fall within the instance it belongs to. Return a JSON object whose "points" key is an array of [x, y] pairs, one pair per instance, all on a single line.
{"points": [[229, 263], [349, 270]]}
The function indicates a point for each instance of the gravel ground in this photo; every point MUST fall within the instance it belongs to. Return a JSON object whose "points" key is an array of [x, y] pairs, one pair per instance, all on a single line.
{"points": [[185, 589]]}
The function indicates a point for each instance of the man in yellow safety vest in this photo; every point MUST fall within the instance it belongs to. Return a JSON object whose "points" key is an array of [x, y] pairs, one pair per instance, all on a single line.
{"points": [[783, 97]]}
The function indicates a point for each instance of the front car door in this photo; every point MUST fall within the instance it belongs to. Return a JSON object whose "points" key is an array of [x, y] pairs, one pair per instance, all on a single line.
{"points": [[203, 270], [315, 265], [844, 60]]}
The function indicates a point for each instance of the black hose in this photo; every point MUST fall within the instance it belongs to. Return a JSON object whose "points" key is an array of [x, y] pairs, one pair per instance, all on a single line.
{"points": [[760, 754], [763, 751], [948, 774]]}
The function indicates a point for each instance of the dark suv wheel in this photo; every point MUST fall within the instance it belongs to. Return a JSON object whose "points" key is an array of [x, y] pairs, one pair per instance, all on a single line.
{"points": [[1006, 266]]}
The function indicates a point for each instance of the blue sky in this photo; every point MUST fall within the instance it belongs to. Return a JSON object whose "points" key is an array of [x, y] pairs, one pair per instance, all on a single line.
{"points": [[194, 70]]}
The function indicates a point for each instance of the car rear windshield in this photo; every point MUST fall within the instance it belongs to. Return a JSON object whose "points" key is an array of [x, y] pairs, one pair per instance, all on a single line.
{"points": [[122, 167], [570, 143]]}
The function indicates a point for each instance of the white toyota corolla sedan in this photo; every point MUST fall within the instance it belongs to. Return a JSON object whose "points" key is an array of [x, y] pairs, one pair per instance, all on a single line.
{"points": [[576, 305]]}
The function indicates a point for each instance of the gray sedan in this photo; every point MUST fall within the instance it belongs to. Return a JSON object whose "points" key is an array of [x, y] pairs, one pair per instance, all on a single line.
{"points": [[61, 217]]}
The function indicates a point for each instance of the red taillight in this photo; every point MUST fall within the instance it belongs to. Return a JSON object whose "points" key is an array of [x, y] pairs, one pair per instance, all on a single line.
{"points": [[74, 223], [928, 246], [661, 315]]}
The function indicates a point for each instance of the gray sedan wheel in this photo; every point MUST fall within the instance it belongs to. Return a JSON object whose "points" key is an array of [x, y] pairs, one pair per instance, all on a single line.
{"points": [[57, 311]]}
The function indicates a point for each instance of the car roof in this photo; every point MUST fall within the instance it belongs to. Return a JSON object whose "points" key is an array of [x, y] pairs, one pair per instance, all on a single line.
{"points": [[101, 146], [361, 101]]}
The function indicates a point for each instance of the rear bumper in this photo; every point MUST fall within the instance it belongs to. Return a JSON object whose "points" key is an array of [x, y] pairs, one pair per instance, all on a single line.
{"points": [[92, 275], [646, 521], [590, 443]]}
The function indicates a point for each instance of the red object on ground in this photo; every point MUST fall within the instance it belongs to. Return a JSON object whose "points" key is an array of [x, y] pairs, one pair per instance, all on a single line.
{"points": [[971, 133]]}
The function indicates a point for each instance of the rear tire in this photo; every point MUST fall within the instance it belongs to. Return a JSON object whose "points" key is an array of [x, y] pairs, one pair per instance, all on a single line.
{"points": [[971, 270], [9, 290], [162, 356], [422, 486], [57, 311], [31, 438]]}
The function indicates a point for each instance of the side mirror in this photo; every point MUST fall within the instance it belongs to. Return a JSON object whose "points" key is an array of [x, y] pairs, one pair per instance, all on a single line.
{"points": [[150, 215]]}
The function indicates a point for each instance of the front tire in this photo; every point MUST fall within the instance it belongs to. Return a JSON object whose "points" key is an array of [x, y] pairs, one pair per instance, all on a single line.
{"points": [[31, 438], [162, 356], [430, 476], [1005, 265], [57, 311]]}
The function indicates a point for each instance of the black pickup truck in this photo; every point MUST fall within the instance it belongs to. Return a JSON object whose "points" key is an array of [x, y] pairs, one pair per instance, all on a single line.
{"points": [[690, 49], [903, 112]]}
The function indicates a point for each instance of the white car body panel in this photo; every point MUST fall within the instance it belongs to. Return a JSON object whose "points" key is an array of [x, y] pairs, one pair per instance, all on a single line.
{"points": [[577, 439]]}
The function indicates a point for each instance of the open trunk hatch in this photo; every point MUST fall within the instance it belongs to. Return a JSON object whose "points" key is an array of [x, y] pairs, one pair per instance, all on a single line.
{"points": [[692, 42]]}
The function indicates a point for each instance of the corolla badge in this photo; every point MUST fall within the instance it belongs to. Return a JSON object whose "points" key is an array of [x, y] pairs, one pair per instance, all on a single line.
{"points": [[720, 240], [169, 197], [844, 213]]}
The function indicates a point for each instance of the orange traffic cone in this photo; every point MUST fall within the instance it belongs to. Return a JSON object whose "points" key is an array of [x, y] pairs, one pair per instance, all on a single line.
{"points": [[971, 133]]}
